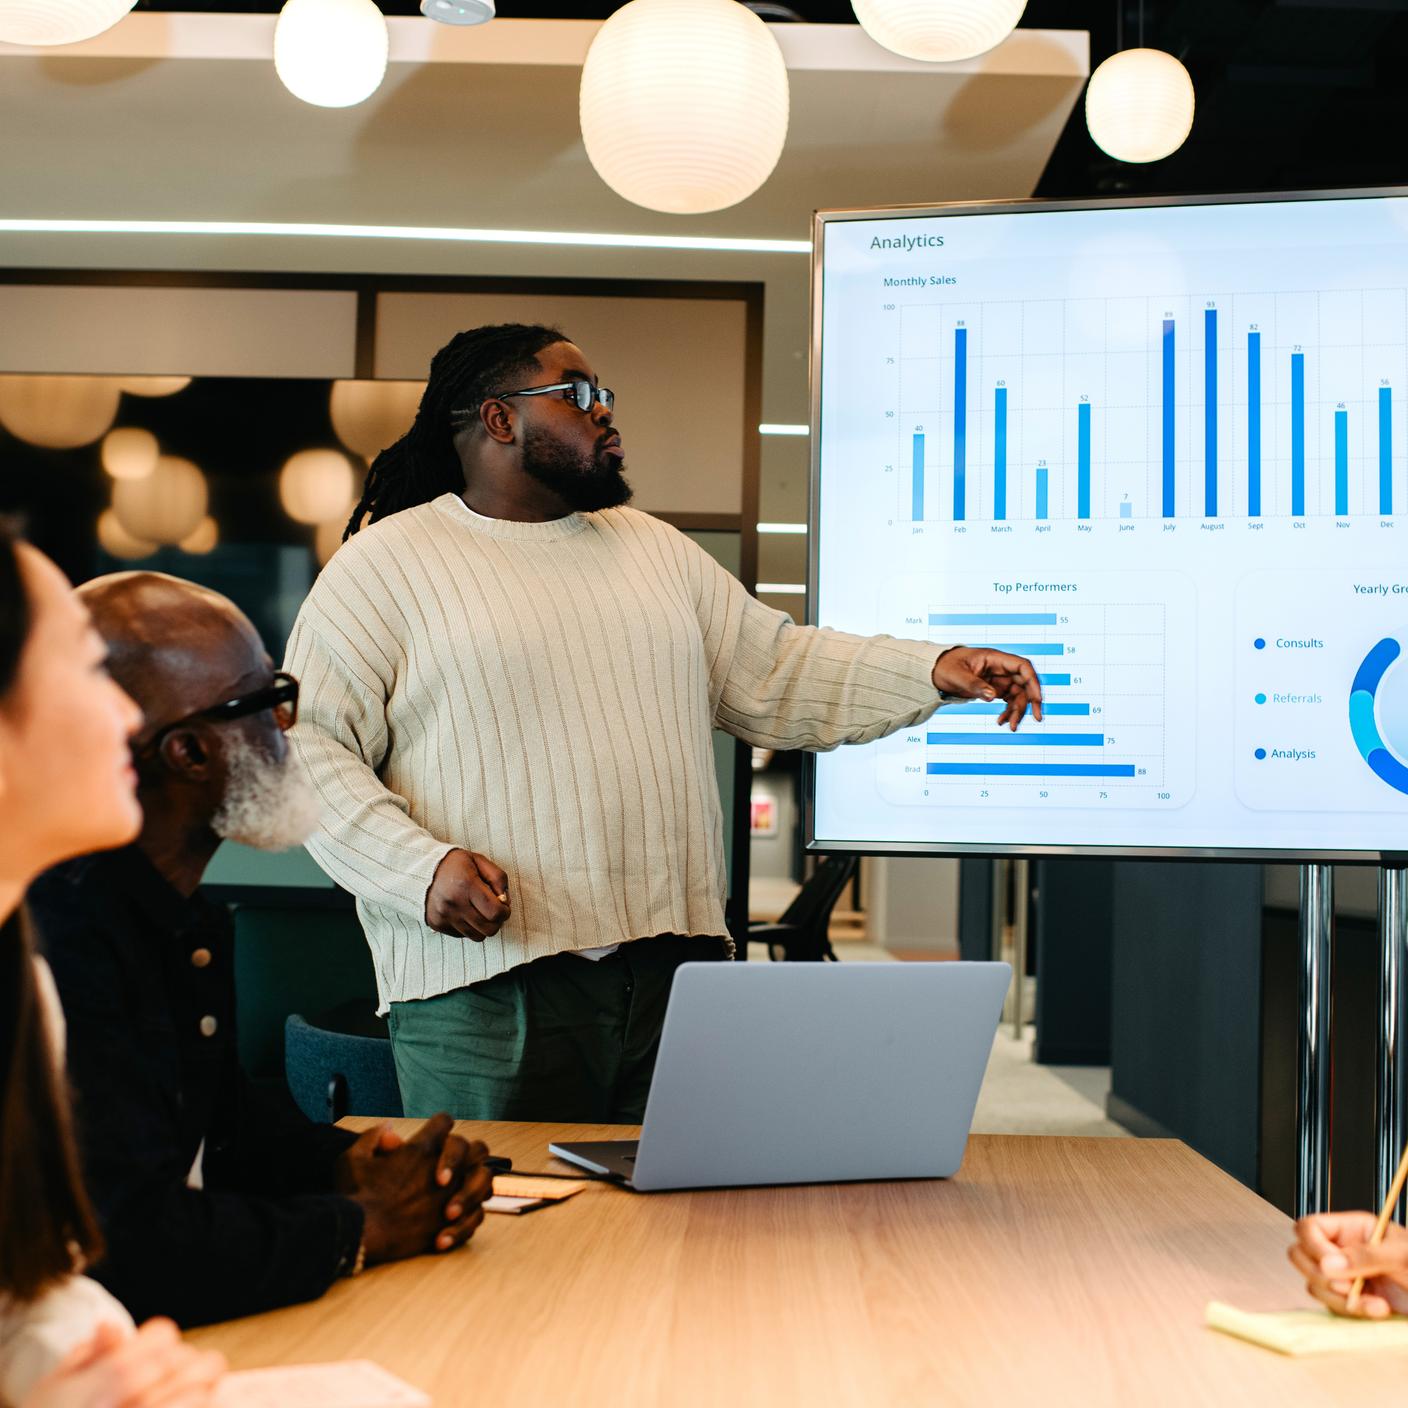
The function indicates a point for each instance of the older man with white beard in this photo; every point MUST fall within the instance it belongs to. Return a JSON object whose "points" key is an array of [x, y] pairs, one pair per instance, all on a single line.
{"points": [[215, 1200]]}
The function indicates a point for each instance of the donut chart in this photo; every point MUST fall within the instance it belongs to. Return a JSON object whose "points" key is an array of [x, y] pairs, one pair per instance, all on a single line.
{"points": [[1362, 721]]}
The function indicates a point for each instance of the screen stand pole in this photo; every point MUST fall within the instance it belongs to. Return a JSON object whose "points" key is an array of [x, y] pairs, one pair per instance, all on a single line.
{"points": [[1021, 906], [1317, 911], [1001, 944], [1391, 1130]]}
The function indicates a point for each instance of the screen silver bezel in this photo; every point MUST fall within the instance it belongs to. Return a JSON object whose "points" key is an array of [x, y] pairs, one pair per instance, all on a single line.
{"points": [[823, 218]]}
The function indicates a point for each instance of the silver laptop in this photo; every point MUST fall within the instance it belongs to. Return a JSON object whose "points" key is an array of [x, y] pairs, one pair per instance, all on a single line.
{"points": [[810, 1073]]}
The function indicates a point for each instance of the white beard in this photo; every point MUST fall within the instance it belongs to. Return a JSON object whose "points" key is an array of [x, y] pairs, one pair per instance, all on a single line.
{"points": [[269, 805]]}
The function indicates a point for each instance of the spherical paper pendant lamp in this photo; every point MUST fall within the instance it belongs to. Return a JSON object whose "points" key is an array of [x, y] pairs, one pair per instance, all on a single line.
{"points": [[58, 412], [1139, 105], [684, 104], [155, 385], [116, 541], [327, 538], [166, 506], [317, 486], [938, 31], [58, 21], [370, 415], [331, 53], [130, 452], [203, 538]]}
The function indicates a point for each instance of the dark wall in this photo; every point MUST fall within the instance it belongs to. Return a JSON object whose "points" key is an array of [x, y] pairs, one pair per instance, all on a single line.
{"points": [[1185, 1036], [1074, 937]]}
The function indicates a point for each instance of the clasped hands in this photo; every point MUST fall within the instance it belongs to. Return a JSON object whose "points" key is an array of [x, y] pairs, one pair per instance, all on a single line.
{"points": [[418, 1194]]}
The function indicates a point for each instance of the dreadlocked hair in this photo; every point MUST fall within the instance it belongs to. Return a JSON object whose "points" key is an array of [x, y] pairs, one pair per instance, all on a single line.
{"points": [[465, 372]]}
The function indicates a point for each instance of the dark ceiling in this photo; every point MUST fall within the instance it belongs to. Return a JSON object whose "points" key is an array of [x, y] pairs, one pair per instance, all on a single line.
{"points": [[1292, 94]]}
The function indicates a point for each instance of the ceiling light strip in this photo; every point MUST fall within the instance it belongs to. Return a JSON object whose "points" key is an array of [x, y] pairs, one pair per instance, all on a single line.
{"points": [[782, 589], [775, 428], [446, 233], [793, 528]]}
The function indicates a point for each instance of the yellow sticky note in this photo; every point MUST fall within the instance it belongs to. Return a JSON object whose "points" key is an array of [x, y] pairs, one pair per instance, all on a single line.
{"points": [[1308, 1331]]}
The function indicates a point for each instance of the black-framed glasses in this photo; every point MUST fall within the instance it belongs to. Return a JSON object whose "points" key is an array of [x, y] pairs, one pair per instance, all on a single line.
{"points": [[281, 697], [579, 391]]}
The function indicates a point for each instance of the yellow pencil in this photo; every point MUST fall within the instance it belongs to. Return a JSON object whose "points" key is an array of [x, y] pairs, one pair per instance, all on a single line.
{"points": [[1381, 1226]]}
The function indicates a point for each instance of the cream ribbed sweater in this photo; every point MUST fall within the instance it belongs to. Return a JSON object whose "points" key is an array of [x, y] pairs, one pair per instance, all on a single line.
{"points": [[543, 693]]}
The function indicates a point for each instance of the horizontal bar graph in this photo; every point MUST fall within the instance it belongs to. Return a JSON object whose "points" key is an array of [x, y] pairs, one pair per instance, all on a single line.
{"points": [[1049, 711], [1102, 716], [1024, 739], [993, 618], [1032, 770]]}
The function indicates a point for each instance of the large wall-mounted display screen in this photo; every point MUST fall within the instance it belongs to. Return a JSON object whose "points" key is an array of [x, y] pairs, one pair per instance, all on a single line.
{"points": [[1162, 449]]}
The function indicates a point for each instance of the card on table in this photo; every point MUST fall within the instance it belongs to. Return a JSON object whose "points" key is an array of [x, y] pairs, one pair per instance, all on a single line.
{"points": [[353, 1383], [522, 1193]]}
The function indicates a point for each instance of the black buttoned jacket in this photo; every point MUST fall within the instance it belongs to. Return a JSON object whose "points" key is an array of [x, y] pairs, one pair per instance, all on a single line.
{"points": [[147, 981]]}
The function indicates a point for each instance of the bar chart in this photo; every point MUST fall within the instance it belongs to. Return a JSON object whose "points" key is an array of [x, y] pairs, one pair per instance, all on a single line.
{"points": [[1113, 651], [1246, 405], [1102, 671], [1158, 448]]}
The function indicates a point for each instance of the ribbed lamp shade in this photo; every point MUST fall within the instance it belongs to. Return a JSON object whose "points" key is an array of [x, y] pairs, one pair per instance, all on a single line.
{"points": [[58, 21], [684, 104], [1139, 105], [331, 53], [938, 31]]}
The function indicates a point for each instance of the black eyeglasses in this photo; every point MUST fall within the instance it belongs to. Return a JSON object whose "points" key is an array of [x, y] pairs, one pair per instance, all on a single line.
{"points": [[281, 697], [580, 392]]}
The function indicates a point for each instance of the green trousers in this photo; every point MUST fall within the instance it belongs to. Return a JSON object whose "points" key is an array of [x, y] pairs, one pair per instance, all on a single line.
{"points": [[564, 1039]]}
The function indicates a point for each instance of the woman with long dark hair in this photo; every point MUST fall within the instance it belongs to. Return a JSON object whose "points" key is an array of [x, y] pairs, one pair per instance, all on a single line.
{"points": [[66, 787]]}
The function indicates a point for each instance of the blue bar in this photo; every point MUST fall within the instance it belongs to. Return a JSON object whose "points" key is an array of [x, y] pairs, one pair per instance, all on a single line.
{"points": [[960, 423], [1048, 711], [1041, 483], [1385, 451], [1000, 738], [1083, 460], [992, 618], [1254, 424], [1210, 412], [1297, 434], [999, 456], [1031, 769], [1053, 679], [1039, 649], [1126, 510], [1342, 462], [917, 511], [1168, 417]]}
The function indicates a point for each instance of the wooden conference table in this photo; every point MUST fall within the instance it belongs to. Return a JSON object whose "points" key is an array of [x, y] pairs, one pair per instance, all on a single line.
{"points": [[1050, 1271]]}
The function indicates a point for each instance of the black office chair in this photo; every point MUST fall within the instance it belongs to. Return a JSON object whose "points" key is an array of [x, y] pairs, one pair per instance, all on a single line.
{"points": [[801, 935], [339, 1063]]}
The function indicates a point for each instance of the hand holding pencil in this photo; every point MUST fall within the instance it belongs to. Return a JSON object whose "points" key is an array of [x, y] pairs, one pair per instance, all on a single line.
{"points": [[1333, 1250]]}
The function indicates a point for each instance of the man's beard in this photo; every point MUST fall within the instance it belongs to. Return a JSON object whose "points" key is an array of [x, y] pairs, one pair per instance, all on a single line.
{"points": [[584, 483], [268, 804]]}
